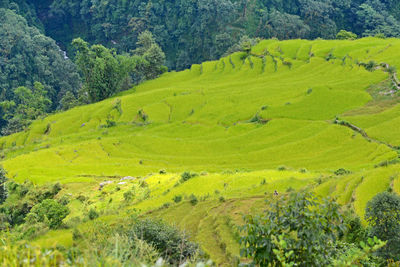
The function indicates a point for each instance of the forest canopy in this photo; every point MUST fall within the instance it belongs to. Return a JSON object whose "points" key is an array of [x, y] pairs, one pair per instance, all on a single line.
{"points": [[193, 31]]}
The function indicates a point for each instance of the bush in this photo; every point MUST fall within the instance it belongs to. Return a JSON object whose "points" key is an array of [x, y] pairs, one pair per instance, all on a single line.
{"points": [[92, 214], [64, 200], [49, 211], [282, 168], [345, 35], [303, 170], [383, 215], [128, 195], [177, 199], [81, 198], [341, 171], [298, 226], [110, 123], [370, 66], [193, 200], [187, 176], [169, 242]]}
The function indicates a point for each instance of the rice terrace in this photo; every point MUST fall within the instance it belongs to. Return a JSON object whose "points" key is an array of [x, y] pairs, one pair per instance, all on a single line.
{"points": [[201, 154]]}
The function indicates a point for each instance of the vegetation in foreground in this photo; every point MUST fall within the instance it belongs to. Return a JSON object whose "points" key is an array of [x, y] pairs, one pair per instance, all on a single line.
{"points": [[295, 229]]}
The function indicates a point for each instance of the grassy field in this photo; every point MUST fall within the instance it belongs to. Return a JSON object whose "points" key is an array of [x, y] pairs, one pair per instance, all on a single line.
{"points": [[246, 124]]}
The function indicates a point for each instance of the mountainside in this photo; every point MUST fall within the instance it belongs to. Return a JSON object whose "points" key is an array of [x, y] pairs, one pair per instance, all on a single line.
{"points": [[287, 115], [194, 31]]}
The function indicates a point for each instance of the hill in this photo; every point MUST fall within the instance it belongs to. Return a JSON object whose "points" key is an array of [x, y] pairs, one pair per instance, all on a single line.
{"points": [[288, 115]]}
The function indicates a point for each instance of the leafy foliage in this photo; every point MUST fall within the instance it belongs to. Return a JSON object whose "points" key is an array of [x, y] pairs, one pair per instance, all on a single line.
{"points": [[22, 198], [172, 244], [345, 35], [27, 106], [299, 227], [103, 71], [383, 215], [33, 68], [49, 211], [191, 32], [106, 73]]}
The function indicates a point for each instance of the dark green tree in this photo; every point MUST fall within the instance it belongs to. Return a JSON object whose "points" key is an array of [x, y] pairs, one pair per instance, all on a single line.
{"points": [[153, 57], [383, 215], [27, 56], [103, 70], [68, 101]]}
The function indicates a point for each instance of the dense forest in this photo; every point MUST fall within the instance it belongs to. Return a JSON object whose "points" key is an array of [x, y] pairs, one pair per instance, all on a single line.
{"points": [[198, 30], [36, 41]]}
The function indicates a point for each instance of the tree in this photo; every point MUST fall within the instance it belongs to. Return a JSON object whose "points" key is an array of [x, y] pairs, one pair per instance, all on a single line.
{"points": [[3, 190], [153, 57], [27, 56], [283, 26], [68, 101], [375, 20], [27, 105], [345, 35], [104, 72], [299, 226], [49, 211], [383, 215]]}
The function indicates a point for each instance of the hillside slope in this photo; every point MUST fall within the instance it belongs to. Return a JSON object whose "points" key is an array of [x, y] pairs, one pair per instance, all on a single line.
{"points": [[236, 121]]}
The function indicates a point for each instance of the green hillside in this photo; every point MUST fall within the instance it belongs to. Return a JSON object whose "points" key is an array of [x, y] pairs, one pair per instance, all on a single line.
{"points": [[288, 115]]}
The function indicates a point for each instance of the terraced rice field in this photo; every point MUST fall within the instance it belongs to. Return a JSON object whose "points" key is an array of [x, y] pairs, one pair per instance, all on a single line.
{"points": [[234, 121]]}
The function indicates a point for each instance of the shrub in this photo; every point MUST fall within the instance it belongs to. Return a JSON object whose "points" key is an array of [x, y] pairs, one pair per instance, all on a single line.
{"points": [[383, 215], [128, 195], [355, 232], [64, 200], [193, 200], [342, 171], [345, 35], [92, 214], [109, 124], [81, 198], [187, 176], [298, 226], [370, 66], [49, 211], [177, 199], [142, 115], [172, 244], [76, 234], [282, 168]]}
